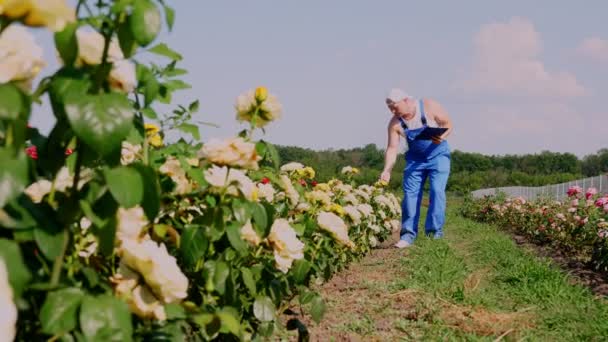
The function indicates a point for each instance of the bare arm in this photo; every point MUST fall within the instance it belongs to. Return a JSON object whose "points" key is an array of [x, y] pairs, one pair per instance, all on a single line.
{"points": [[392, 149], [441, 117]]}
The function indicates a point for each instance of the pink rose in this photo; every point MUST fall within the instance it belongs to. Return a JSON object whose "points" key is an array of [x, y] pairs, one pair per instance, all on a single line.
{"points": [[590, 193]]}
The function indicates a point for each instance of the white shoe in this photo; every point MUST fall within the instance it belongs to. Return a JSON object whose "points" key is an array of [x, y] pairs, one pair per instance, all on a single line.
{"points": [[402, 244]]}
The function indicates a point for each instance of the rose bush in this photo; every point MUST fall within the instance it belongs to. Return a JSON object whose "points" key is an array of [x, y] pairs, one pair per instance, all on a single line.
{"points": [[578, 226], [128, 237]]}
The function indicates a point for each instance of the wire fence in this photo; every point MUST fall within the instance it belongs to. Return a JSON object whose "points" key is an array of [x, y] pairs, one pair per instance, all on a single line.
{"points": [[556, 191]]}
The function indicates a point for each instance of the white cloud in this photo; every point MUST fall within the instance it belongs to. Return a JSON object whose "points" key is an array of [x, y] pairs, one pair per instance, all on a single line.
{"points": [[594, 48], [507, 62]]}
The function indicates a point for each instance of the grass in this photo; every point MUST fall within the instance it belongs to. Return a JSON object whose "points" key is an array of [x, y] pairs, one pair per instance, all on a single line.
{"points": [[476, 284], [478, 268]]}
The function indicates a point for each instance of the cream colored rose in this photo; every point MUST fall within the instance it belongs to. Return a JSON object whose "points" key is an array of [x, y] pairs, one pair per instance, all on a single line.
{"points": [[344, 188], [244, 105], [139, 297], [266, 191], [63, 181], [8, 310], [353, 214], [286, 245], [244, 184], [231, 152], [362, 194], [317, 196], [173, 168], [144, 304], [37, 191], [365, 209], [125, 280], [293, 166], [235, 181], [290, 191], [90, 47], [122, 77], [157, 267], [131, 223], [303, 207], [129, 153], [350, 198], [373, 241], [21, 59], [248, 234], [333, 224], [349, 170], [269, 109]]}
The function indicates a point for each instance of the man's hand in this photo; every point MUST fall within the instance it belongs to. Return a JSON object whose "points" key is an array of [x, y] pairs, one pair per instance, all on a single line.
{"points": [[437, 139], [385, 176]]}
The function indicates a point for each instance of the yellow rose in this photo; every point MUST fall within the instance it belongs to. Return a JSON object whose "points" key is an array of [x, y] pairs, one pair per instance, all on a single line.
{"points": [[54, 14], [261, 94], [336, 208], [156, 141]]}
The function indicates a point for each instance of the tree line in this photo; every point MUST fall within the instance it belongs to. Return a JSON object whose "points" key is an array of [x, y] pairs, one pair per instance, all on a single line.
{"points": [[469, 171]]}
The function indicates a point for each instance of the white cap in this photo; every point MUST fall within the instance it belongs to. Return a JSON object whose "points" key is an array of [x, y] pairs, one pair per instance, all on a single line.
{"points": [[396, 95]]}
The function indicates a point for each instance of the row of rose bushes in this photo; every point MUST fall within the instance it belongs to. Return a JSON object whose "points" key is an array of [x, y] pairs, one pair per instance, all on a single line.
{"points": [[578, 226], [107, 233]]}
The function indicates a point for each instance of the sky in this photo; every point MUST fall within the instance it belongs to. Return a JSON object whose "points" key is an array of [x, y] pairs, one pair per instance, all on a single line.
{"points": [[515, 76]]}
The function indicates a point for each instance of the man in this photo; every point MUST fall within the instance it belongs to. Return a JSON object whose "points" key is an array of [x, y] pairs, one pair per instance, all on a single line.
{"points": [[424, 158]]}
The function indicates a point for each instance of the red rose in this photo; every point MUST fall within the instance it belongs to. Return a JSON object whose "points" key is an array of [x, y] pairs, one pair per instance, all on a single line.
{"points": [[302, 182], [32, 151], [68, 151], [265, 180], [314, 183]]}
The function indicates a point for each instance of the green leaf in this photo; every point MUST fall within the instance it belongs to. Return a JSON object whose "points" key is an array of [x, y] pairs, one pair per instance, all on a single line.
{"points": [[163, 50], [249, 281], [241, 210], [59, 311], [101, 121], [13, 174], [210, 324], [307, 297], [105, 318], [145, 22], [67, 44], [260, 218], [193, 245], [193, 108], [175, 311], [50, 241], [126, 40], [274, 154], [177, 85], [263, 309], [318, 309], [222, 271], [169, 16], [230, 323], [190, 129], [300, 270], [151, 200], [126, 185], [18, 273], [12, 102], [149, 113], [233, 231]]}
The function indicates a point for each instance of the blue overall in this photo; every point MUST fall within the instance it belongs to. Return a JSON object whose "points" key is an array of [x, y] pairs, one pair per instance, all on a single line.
{"points": [[423, 159]]}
